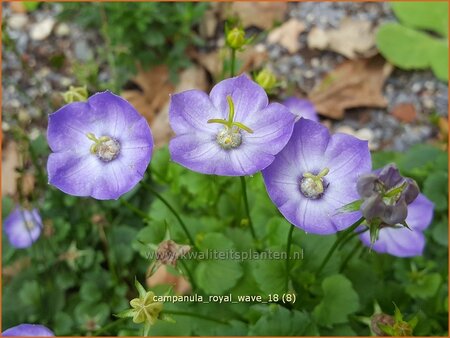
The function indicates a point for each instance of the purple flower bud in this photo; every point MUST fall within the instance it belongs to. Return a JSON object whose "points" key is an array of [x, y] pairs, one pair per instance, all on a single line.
{"points": [[101, 148], [383, 319], [367, 184], [28, 330], [386, 194], [400, 241], [23, 227]]}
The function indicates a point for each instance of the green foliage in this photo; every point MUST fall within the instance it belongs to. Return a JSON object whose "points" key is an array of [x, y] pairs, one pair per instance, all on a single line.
{"points": [[109, 246], [339, 300], [408, 48], [148, 33]]}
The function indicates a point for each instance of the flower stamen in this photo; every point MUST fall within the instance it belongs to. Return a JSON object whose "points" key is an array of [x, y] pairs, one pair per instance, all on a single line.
{"points": [[312, 186], [230, 137], [105, 148]]}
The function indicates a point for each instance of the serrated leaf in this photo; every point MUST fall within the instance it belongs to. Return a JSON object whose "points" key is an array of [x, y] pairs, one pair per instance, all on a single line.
{"points": [[282, 322], [215, 276], [436, 189], [428, 15], [339, 300], [425, 287], [270, 275]]}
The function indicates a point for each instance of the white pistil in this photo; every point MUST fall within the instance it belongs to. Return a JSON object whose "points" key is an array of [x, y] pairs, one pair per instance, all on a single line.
{"points": [[105, 148], [312, 186]]}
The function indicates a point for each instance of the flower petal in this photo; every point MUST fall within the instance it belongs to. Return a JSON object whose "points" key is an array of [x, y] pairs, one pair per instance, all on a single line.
{"points": [[400, 242], [110, 114], [301, 108], [28, 330], [19, 235], [420, 213], [248, 97], [272, 128], [347, 157], [74, 174], [66, 127], [192, 109]]}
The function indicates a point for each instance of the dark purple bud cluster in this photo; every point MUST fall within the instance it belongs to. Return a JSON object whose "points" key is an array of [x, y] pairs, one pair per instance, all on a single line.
{"points": [[386, 195]]}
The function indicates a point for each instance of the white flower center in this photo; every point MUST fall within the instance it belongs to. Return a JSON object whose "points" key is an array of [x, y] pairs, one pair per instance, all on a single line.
{"points": [[105, 148], [312, 186], [229, 138], [29, 225]]}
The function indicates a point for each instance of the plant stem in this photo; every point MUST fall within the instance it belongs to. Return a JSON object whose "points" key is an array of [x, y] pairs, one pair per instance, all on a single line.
{"points": [[190, 276], [247, 209], [174, 212], [345, 233], [352, 253], [191, 314], [232, 61], [137, 211], [288, 256], [108, 326], [110, 54]]}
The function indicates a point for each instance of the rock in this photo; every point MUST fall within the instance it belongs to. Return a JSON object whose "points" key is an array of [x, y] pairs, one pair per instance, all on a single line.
{"points": [[62, 30], [404, 112], [41, 30], [17, 21], [82, 51]]}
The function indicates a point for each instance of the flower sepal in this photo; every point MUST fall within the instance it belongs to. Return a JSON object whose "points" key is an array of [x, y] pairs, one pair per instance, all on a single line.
{"points": [[75, 94], [267, 79], [400, 327], [235, 37]]}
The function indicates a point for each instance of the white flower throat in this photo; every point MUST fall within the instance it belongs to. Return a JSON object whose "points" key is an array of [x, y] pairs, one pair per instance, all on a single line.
{"points": [[312, 186], [230, 136], [105, 148]]}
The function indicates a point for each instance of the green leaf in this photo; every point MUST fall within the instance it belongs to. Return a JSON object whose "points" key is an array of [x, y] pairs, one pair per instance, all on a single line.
{"points": [[215, 276], [439, 59], [339, 300], [279, 321], [436, 189], [270, 274], [63, 324], [410, 49], [425, 287], [439, 231], [426, 15]]}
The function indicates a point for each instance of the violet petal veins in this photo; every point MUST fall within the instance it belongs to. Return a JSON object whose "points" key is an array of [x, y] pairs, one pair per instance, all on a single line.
{"points": [[232, 132], [400, 241], [101, 148], [315, 175], [23, 227]]}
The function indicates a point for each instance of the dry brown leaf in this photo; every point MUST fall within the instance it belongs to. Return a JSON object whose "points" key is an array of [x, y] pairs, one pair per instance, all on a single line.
{"points": [[191, 78], [27, 184], [208, 24], [352, 39], [252, 57], [404, 112], [161, 276], [16, 267], [259, 14], [354, 83], [287, 35], [10, 162]]}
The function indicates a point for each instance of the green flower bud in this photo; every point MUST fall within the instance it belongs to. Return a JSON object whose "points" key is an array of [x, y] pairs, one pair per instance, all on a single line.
{"points": [[236, 38], [146, 309], [75, 94], [266, 79]]}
